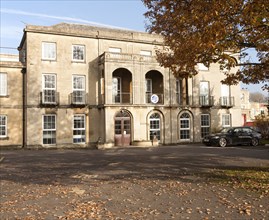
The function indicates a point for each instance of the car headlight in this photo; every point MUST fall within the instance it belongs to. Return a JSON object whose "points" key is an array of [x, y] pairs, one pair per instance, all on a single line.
{"points": [[215, 137]]}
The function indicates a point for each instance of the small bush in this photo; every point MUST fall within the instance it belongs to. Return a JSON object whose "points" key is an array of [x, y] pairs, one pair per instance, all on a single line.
{"points": [[262, 124]]}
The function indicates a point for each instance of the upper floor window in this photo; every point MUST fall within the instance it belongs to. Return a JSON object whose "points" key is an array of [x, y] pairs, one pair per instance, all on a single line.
{"points": [[48, 51], [202, 67], [3, 84], [78, 89], [204, 92], [78, 53], [116, 89], [114, 49], [146, 52], [49, 88], [3, 126], [225, 95]]}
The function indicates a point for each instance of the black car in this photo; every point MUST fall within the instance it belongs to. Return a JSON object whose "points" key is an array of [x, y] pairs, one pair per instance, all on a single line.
{"points": [[233, 136]]}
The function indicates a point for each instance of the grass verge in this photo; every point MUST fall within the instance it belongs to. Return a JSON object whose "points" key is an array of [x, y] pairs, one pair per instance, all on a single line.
{"points": [[251, 179]]}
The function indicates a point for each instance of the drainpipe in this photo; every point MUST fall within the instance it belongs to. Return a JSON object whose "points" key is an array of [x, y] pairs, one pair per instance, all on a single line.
{"points": [[24, 109]]}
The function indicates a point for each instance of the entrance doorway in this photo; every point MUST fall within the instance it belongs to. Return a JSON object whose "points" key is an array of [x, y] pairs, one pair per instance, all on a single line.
{"points": [[122, 129]]}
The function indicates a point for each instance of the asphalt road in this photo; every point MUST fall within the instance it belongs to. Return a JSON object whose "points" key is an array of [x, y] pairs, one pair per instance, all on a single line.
{"points": [[128, 183]]}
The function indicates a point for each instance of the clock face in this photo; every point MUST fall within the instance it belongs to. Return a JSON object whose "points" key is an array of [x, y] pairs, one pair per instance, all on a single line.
{"points": [[154, 98]]}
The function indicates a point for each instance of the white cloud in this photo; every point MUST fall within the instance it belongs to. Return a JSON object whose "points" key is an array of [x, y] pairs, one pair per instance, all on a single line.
{"points": [[63, 18], [11, 32]]}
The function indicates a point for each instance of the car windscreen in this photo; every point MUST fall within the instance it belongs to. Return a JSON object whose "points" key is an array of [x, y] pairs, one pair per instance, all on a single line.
{"points": [[226, 130]]}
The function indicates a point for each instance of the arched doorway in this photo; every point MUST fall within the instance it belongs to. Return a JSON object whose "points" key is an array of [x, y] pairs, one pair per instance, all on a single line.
{"points": [[122, 128]]}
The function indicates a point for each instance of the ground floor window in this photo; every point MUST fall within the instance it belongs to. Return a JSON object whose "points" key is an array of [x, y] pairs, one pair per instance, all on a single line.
{"points": [[79, 129], [3, 126], [205, 124], [49, 129], [155, 126], [226, 120], [184, 126]]}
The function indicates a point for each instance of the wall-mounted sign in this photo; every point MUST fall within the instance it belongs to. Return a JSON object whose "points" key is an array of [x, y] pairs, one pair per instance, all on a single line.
{"points": [[154, 98]]}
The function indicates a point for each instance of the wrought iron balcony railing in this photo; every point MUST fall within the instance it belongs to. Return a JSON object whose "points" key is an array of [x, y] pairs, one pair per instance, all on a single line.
{"points": [[78, 98], [206, 101], [49, 97], [184, 101], [227, 101], [122, 98]]}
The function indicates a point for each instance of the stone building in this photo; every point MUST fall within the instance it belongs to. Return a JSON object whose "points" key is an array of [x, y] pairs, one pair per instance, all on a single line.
{"points": [[250, 109], [11, 101], [86, 86]]}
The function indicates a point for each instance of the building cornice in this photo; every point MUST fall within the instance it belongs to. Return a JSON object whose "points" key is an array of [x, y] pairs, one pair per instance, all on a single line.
{"points": [[86, 31]]}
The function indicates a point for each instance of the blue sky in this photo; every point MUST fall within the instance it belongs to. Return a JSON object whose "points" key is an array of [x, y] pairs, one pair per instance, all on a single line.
{"points": [[127, 14]]}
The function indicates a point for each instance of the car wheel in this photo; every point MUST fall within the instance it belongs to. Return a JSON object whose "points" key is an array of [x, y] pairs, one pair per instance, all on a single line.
{"points": [[222, 142], [254, 142]]}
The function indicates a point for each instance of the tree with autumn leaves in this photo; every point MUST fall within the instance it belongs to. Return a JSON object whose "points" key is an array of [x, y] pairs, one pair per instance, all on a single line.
{"points": [[212, 31]]}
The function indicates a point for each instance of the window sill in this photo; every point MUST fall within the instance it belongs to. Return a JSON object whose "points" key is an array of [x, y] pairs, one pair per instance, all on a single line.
{"points": [[78, 61], [4, 138], [49, 60], [4, 96]]}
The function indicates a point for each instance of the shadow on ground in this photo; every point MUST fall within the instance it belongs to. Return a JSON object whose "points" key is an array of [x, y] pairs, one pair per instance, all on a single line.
{"points": [[72, 166]]}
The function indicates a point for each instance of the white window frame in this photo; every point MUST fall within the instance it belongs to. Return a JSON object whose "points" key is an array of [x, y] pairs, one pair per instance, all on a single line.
{"points": [[3, 84], [225, 95], [81, 129], [114, 50], [49, 51], [52, 130], [205, 125], [148, 84], [226, 118], [4, 125], [116, 89], [188, 119], [80, 91], [156, 121], [146, 52], [50, 90], [77, 57], [204, 92]]}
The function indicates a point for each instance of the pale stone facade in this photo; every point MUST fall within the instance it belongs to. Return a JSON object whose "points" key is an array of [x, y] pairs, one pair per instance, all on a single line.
{"points": [[11, 101], [92, 86], [250, 110]]}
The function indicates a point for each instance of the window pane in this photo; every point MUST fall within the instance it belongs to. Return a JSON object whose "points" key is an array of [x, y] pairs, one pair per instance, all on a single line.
{"points": [[155, 126], [79, 129], [204, 120], [79, 83], [3, 126], [49, 129], [226, 120], [49, 50], [114, 50], [146, 52], [3, 84], [78, 52], [184, 134]]}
